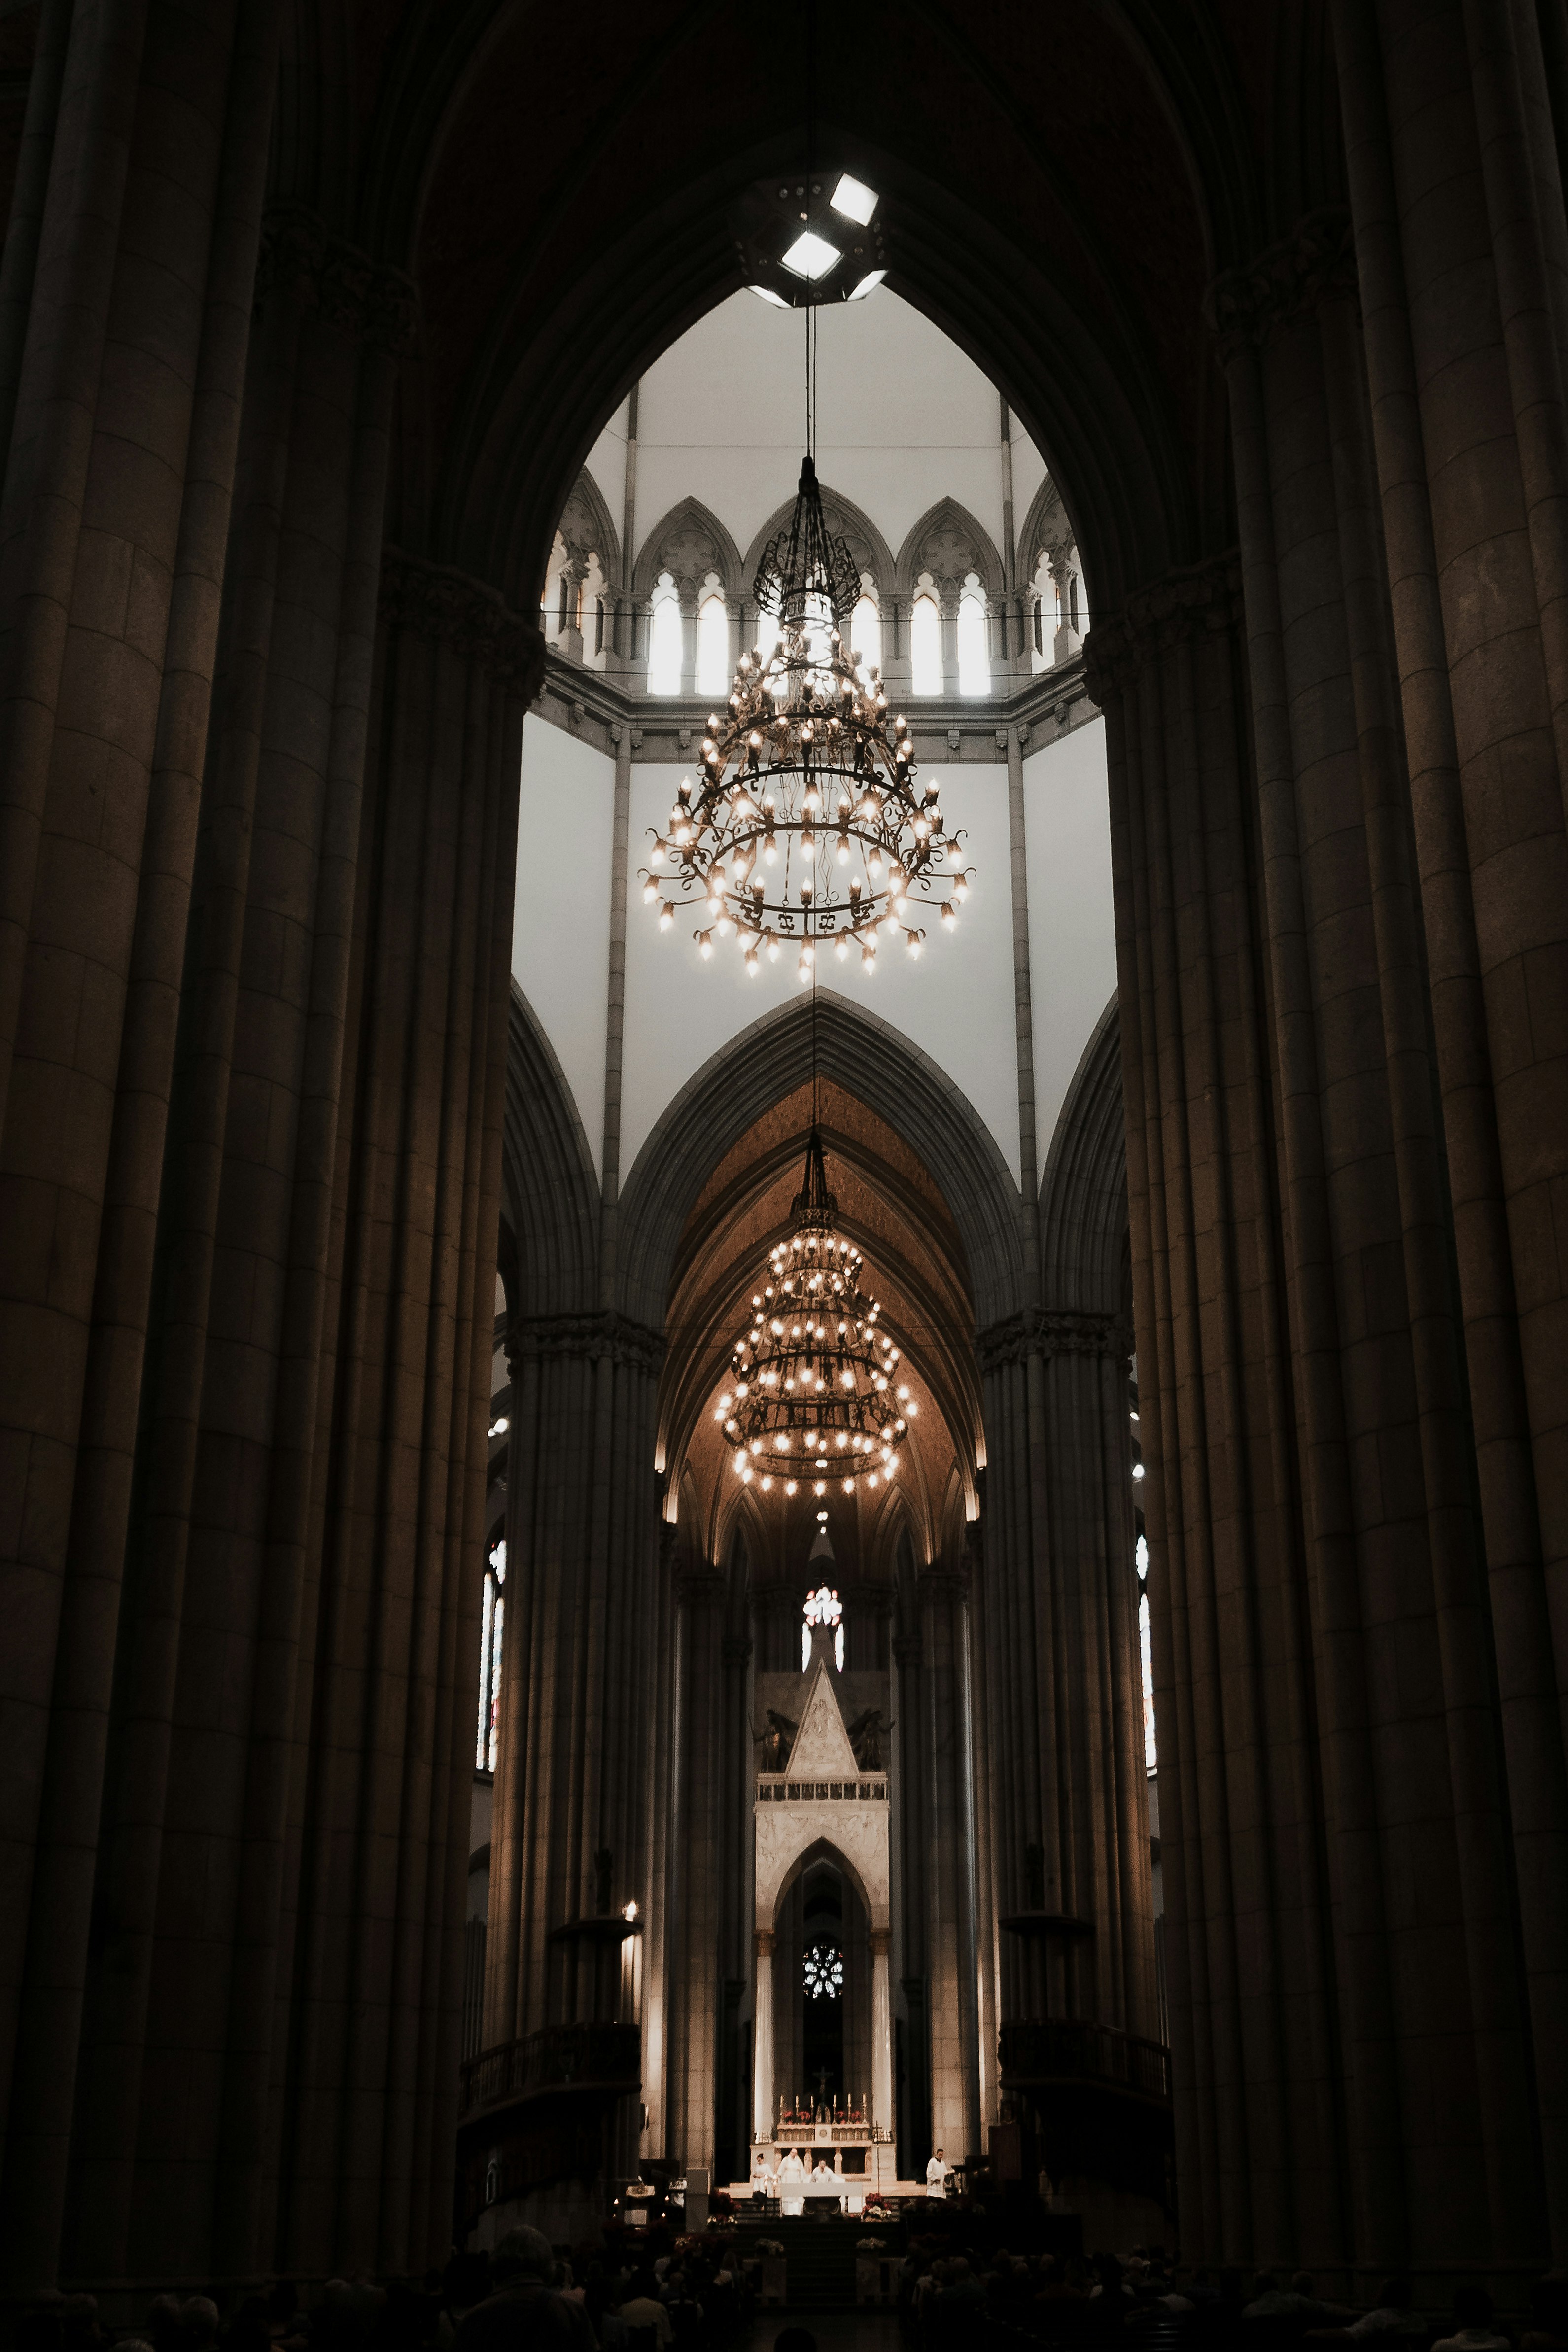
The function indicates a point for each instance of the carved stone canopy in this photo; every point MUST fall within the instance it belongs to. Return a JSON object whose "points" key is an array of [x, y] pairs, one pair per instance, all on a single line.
{"points": [[1051, 1332], [1203, 598], [368, 298], [434, 600], [599, 1337], [1315, 264]]}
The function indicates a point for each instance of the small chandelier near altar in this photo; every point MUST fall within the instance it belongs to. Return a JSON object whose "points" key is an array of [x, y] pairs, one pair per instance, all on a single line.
{"points": [[806, 829], [817, 1399]]}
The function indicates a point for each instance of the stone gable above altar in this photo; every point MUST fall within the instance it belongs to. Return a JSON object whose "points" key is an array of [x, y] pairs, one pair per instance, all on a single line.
{"points": [[822, 1750]]}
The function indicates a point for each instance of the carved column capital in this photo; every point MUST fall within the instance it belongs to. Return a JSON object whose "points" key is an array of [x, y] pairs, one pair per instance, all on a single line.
{"points": [[368, 298], [762, 1942], [1058, 1331], [700, 1586], [881, 1943], [944, 1585], [1315, 263], [736, 1650], [597, 1338], [435, 601]]}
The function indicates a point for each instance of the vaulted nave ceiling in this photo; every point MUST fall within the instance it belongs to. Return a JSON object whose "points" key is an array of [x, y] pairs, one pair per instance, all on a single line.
{"points": [[894, 1213]]}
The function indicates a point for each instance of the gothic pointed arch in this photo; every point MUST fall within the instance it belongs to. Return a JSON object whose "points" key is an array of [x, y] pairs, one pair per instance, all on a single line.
{"points": [[846, 521], [823, 1849], [871, 1059], [1047, 525], [550, 1195], [689, 544], [587, 528], [1083, 1192], [948, 543]]}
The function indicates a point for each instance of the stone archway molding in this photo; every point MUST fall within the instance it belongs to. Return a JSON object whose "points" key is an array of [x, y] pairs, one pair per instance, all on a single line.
{"points": [[867, 1057], [1083, 1192], [549, 1192]]}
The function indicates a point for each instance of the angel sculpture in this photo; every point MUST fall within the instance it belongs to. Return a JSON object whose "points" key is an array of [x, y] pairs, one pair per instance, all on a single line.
{"points": [[865, 1738], [778, 1740]]}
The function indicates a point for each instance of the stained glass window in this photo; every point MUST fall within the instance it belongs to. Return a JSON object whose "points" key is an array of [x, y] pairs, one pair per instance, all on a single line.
{"points": [[824, 1973]]}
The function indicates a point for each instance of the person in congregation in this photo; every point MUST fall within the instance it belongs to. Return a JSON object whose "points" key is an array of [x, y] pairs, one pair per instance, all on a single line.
{"points": [[525, 2311], [1474, 2331]]}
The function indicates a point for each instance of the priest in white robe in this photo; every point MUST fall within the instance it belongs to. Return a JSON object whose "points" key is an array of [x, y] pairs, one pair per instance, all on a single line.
{"points": [[791, 2183]]}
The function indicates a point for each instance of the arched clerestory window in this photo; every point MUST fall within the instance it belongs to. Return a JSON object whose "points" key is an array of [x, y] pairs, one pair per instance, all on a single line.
{"points": [[973, 653], [665, 645], [866, 630], [925, 645], [712, 643]]}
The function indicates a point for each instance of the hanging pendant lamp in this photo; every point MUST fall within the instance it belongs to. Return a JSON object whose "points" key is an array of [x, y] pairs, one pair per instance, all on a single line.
{"points": [[806, 828], [815, 1399]]}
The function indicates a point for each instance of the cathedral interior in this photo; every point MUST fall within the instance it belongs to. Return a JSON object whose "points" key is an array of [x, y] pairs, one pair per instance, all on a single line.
{"points": [[665, 674]]}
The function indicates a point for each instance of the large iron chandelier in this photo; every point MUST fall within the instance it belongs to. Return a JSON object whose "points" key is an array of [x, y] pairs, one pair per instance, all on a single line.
{"points": [[817, 1399], [806, 828]]}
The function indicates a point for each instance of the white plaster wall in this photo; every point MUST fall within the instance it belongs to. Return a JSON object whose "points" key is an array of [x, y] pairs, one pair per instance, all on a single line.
{"points": [[560, 920], [904, 417], [607, 464], [1029, 473], [1072, 930], [955, 1002]]}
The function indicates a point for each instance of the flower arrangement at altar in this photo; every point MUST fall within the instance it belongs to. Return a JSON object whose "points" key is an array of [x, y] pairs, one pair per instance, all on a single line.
{"points": [[870, 2245], [769, 2246]]}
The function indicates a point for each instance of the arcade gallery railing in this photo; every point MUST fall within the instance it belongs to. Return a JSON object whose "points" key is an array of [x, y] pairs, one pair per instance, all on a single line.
{"points": [[1070, 2050], [557, 2058]]}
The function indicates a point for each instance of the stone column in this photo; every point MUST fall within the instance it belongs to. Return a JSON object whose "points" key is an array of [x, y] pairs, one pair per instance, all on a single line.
{"points": [[1471, 500], [577, 1738], [1067, 642], [1068, 1812], [700, 1600], [764, 2104], [232, 1388], [130, 265], [881, 2031], [910, 1777], [949, 1828], [1363, 1155]]}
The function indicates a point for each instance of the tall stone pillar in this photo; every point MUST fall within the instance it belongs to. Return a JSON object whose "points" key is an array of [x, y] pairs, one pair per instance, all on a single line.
{"points": [[910, 1781], [882, 2114], [949, 1825], [1470, 495], [1069, 1807], [699, 1598], [130, 266], [1307, 1089], [737, 1795], [764, 2104], [577, 1739], [232, 1397]]}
